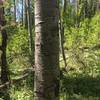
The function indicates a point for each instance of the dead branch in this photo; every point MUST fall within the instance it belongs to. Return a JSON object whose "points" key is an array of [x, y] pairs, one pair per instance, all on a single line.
{"points": [[26, 73]]}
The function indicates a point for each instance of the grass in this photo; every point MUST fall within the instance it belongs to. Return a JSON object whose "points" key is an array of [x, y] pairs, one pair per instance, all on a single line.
{"points": [[72, 88]]}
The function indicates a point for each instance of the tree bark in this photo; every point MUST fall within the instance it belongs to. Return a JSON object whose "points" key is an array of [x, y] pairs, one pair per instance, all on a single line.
{"points": [[46, 83], [62, 34], [22, 12], [29, 19], [4, 66], [14, 11], [25, 15]]}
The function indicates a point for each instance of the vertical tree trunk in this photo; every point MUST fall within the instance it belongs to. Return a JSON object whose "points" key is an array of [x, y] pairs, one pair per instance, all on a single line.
{"points": [[25, 15], [46, 86], [4, 67], [22, 12], [62, 29], [31, 50], [63, 32], [14, 11]]}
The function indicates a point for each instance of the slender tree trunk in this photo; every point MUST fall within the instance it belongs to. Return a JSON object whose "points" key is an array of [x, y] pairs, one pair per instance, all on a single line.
{"points": [[4, 67], [62, 34], [62, 29], [46, 86], [14, 11], [25, 15], [22, 12], [62, 45], [29, 19]]}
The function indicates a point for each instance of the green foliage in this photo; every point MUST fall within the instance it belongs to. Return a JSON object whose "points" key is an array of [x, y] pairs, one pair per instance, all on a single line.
{"points": [[86, 34], [18, 42], [82, 50], [80, 88], [82, 47], [22, 90], [81, 81], [18, 49]]}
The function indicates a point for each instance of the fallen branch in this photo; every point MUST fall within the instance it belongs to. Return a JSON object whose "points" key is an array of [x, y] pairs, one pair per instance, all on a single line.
{"points": [[4, 85], [95, 47], [22, 77]]}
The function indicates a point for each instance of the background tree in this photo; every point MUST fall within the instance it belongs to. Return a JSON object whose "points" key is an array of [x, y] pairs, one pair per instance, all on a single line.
{"points": [[14, 1], [29, 19], [4, 66], [22, 12]]}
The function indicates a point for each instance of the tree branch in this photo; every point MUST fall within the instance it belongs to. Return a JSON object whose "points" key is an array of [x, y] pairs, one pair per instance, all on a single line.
{"points": [[26, 73]]}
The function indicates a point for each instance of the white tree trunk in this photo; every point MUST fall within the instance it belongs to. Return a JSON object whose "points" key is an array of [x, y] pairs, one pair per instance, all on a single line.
{"points": [[46, 86]]}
